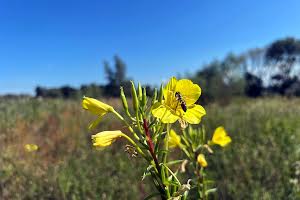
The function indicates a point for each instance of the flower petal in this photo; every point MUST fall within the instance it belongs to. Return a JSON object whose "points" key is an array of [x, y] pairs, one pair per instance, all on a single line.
{"points": [[189, 91], [201, 160], [226, 140], [194, 114], [169, 90], [106, 138], [174, 139], [220, 137], [95, 123], [96, 107], [164, 113]]}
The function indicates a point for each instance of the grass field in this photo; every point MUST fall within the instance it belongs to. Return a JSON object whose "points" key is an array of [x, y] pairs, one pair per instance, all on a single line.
{"points": [[262, 162]]}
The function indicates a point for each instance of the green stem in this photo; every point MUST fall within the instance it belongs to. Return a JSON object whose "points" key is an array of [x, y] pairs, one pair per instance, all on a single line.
{"points": [[172, 173], [135, 145], [128, 126], [203, 187], [186, 152], [164, 173], [138, 123], [166, 144], [134, 134]]}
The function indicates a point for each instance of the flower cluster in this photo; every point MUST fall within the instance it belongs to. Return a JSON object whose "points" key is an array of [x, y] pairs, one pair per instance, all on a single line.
{"points": [[151, 126]]}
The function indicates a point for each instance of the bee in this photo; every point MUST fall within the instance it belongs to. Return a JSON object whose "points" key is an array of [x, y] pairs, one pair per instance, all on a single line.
{"points": [[181, 101]]}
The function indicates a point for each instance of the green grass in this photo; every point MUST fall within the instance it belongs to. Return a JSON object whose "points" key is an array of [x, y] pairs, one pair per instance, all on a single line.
{"points": [[260, 163]]}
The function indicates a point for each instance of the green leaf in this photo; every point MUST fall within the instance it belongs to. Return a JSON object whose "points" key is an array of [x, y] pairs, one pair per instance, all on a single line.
{"points": [[210, 191], [174, 175], [174, 162], [173, 183]]}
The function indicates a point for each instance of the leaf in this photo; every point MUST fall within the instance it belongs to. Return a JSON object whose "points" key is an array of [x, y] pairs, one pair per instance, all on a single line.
{"points": [[147, 172], [174, 162], [210, 191], [172, 174]]}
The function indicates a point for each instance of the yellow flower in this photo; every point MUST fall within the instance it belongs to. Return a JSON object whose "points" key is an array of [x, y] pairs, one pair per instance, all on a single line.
{"points": [[220, 137], [170, 110], [106, 138], [31, 147], [174, 139], [96, 107], [201, 160]]}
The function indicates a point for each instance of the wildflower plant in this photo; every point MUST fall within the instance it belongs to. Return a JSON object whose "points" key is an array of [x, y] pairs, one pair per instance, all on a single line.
{"points": [[152, 137]]}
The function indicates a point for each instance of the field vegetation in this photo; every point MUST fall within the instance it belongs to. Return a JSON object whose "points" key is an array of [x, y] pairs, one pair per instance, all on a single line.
{"points": [[262, 162]]}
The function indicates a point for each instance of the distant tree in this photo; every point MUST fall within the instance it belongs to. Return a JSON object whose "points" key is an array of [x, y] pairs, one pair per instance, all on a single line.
{"points": [[254, 85], [256, 72], [294, 88], [283, 55], [91, 90], [65, 92], [68, 92], [220, 80], [211, 81], [53, 93], [110, 75], [115, 77], [255, 63], [39, 91], [120, 74], [232, 69], [48, 92]]}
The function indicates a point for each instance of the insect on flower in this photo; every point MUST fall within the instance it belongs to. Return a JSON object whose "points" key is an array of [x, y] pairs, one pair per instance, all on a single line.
{"points": [[181, 101], [185, 93]]}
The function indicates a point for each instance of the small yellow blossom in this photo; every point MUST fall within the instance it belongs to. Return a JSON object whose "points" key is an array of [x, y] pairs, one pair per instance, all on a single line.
{"points": [[220, 137], [31, 147], [201, 160], [96, 107], [106, 138], [174, 139], [170, 110]]}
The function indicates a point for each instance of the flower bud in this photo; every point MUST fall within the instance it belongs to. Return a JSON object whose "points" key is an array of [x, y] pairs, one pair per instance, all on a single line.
{"points": [[96, 107], [140, 92], [105, 138], [135, 100], [154, 96], [124, 101], [161, 94], [201, 160], [144, 98], [174, 139]]}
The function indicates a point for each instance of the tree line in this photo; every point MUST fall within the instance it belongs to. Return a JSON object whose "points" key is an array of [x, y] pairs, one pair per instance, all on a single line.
{"points": [[271, 70], [115, 76]]}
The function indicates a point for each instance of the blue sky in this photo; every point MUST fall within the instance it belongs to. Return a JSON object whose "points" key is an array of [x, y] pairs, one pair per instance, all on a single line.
{"points": [[56, 42]]}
